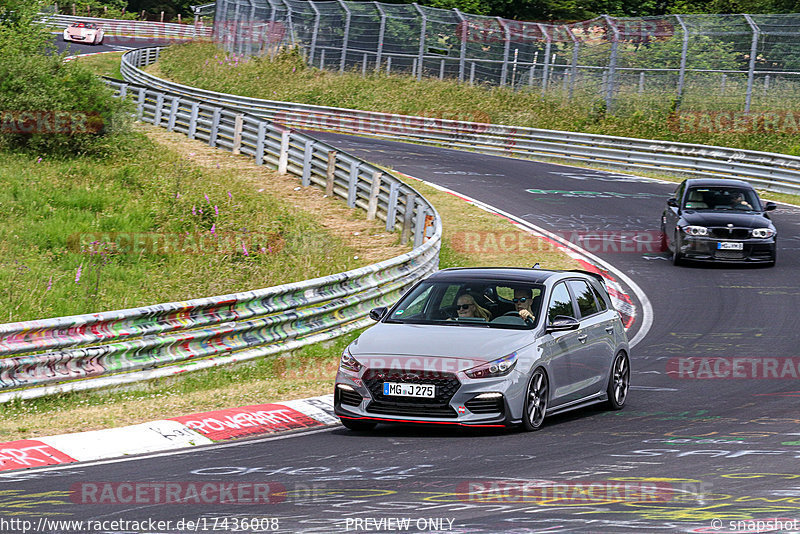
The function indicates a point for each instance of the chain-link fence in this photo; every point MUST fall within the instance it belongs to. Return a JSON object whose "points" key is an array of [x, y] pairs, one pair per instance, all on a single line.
{"points": [[708, 62]]}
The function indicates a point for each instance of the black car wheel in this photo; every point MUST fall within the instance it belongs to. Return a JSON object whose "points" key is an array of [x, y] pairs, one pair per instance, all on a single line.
{"points": [[619, 381], [536, 396], [358, 425], [677, 257]]}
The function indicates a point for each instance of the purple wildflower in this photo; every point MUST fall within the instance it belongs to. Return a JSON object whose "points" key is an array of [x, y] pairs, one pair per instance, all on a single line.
{"points": [[194, 211], [39, 160], [244, 248], [230, 196], [205, 195], [216, 211], [49, 284], [78, 274], [213, 227]]}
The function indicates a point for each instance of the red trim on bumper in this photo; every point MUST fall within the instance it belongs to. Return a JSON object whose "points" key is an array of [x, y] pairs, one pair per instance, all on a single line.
{"points": [[418, 422]]}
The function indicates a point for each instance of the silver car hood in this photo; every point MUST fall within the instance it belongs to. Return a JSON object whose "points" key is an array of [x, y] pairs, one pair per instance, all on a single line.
{"points": [[446, 341]]}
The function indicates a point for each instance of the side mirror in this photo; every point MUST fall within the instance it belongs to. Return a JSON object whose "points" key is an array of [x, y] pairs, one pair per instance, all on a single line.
{"points": [[563, 323], [769, 206], [672, 203], [376, 314]]}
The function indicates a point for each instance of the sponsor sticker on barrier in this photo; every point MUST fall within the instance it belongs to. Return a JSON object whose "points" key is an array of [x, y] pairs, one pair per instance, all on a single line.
{"points": [[29, 453], [247, 421]]}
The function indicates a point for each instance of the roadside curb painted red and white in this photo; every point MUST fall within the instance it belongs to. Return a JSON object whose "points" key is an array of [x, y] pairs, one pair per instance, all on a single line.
{"points": [[168, 434]]}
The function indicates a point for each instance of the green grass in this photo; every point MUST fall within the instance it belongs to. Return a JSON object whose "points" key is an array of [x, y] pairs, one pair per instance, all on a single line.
{"points": [[54, 210], [648, 115], [104, 64]]}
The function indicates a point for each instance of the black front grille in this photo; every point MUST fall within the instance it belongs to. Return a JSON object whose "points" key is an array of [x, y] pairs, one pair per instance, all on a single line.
{"points": [[349, 397], [730, 233], [729, 254], [485, 405], [445, 386]]}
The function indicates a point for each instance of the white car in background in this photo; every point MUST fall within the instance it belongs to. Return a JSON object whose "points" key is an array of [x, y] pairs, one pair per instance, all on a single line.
{"points": [[84, 32]]}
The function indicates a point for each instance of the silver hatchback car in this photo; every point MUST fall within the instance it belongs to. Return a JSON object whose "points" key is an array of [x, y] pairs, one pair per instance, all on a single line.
{"points": [[486, 347]]}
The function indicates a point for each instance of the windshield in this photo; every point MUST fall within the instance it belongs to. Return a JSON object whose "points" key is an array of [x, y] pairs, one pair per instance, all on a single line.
{"points": [[721, 198], [489, 304]]}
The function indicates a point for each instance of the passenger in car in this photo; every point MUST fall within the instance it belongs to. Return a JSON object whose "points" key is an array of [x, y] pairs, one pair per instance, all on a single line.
{"points": [[467, 307], [523, 299], [740, 203]]}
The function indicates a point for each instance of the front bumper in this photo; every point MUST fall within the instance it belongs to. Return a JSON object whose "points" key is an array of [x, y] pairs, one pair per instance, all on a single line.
{"points": [[706, 249]]}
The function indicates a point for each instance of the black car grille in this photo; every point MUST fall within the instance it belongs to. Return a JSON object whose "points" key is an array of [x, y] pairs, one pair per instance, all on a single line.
{"points": [[446, 385], [729, 254], [730, 233], [485, 405], [349, 397]]}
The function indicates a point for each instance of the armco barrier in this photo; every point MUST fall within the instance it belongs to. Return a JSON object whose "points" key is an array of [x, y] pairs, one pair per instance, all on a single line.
{"points": [[769, 171], [132, 28], [195, 334]]}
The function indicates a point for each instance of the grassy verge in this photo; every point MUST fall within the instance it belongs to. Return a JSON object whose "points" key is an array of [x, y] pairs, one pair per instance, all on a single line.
{"points": [[106, 64]]}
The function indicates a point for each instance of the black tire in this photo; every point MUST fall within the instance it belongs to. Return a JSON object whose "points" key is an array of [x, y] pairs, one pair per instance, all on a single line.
{"points": [[537, 395], [353, 424], [677, 257], [619, 381]]}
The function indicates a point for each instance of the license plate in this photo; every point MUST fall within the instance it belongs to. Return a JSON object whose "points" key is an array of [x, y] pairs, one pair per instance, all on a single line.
{"points": [[729, 246], [409, 390]]}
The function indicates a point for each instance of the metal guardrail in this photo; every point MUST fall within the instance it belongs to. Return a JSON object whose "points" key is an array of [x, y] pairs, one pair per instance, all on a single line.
{"points": [[768, 171], [210, 331], [133, 28]]}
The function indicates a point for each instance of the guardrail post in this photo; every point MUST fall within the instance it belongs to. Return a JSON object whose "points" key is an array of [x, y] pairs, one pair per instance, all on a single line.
{"points": [[330, 175], [314, 33], [752, 67], [419, 225], [260, 141], [123, 91], [441, 71], [388, 64], [140, 104], [193, 120], [375, 188], [684, 50], [408, 217], [391, 208], [237, 134], [159, 109], [506, 50], [308, 154], [463, 34], [212, 138], [283, 159], [173, 113], [346, 35], [422, 34], [352, 184], [322, 59], [381, 34], [364, 66]]}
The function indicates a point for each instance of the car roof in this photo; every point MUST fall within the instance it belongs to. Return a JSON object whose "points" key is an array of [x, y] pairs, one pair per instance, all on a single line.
{"points": [[506, 274], [724, 182]]}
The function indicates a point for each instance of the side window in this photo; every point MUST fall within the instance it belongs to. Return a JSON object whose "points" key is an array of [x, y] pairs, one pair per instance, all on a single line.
{"points": [[560, 302], [449, 297], [600, 300], [587, 303], [418, 304], [679, 192]]}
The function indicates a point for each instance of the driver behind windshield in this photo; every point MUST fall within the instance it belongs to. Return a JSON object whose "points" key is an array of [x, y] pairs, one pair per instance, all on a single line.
{"points": [[523, 299], [739, 201]]}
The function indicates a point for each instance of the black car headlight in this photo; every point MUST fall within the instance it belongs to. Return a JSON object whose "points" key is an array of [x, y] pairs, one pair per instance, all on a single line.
{"points": [[762, 233], [695, 230], [349, 363], [499, 367]]}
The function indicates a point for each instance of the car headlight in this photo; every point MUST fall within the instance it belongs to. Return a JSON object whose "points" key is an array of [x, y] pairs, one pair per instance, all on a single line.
{"points": [[695, 230], [348, 362], [762, 233], [499, 367]]}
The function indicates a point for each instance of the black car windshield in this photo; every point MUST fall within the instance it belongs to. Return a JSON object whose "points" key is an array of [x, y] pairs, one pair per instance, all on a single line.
{"points": [[721, 198], [485, 304]]}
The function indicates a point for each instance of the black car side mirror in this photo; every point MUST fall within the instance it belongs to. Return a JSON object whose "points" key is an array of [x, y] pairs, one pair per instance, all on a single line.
{"points": [[672, 203], [562, 323], [376, 314], [769, 206]]}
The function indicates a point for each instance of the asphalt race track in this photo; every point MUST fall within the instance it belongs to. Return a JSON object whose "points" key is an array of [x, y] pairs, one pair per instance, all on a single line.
{"points": [[714, 441]]}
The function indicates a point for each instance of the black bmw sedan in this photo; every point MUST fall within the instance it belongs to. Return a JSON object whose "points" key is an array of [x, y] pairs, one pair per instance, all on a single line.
{"points": [[720, 220]]}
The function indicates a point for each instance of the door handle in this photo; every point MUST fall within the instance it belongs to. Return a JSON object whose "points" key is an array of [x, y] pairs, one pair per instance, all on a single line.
{"points": [[582, 338]]}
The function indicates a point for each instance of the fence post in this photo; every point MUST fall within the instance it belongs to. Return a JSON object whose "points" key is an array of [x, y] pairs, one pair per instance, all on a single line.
{"points": [[389, 65], [391, 207], [290, 21], [722, 83], [159, 109], [140, 104], [766, 84], [684, 51], [612, 64], [573, 73], [193, 120], [248, 35], [381, 33], [330, 175], [546, 71], [212, 138], [314, 34], [506, 50], [346, 36], [419, 225], [751, 69], [441, 71], [322, 59], [372, 207], [641, 82], [464, 33], [422, 34], [260, 141], [235, 32], [472, 73], [364, 66], [533, 68], [352, 184], [408, 217], [283, 159], [238, 122], [173, 112]]}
